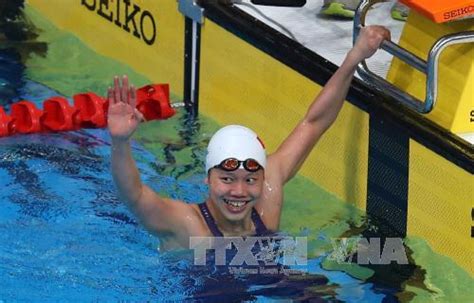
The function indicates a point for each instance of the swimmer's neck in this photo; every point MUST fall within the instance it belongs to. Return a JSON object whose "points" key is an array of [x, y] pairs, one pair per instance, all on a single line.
{"points": [[229, 228]]}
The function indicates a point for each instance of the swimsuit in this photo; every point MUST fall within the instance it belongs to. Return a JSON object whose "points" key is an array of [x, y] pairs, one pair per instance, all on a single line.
{"points": [[260, 227]]}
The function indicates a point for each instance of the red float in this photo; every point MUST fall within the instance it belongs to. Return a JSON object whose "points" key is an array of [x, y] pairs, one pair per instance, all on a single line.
{"points": [[5, 123], [153, 102], [88, 111]]}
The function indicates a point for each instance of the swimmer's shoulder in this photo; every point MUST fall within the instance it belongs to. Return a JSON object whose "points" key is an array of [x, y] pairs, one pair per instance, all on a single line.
{"points": [[187, 219]]}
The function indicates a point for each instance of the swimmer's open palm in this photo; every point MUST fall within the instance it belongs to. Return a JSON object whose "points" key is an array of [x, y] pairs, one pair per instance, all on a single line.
{"points": [[123, 117]]}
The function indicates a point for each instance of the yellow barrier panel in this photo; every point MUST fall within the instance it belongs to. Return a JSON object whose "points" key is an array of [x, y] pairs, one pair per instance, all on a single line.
{"points": [[147, 35], [440, 199], [455, 102]]}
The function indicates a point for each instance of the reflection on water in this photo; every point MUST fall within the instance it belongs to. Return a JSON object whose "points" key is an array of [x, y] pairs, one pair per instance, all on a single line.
{"points": [[15, 31]]}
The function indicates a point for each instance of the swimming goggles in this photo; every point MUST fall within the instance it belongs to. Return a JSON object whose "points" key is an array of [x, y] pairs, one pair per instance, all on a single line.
{"points": [[232, 164]]}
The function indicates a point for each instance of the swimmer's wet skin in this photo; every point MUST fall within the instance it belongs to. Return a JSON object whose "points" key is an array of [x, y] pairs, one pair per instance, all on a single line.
{"points": [[242, 180]]}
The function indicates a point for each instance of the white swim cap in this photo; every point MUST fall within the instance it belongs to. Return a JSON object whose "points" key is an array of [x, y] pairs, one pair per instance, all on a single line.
{"points": [[235, 141]]}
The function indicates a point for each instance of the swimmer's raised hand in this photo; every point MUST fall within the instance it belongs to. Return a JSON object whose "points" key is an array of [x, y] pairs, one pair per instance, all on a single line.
{"points": [[369, 40], [123, 117]]}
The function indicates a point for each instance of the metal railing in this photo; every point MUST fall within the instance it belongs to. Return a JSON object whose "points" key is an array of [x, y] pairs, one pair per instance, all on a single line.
{"points": [[428, 67]]}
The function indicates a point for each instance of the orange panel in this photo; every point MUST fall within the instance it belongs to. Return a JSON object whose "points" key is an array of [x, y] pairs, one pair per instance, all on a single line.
{"points": [[442, 10]]}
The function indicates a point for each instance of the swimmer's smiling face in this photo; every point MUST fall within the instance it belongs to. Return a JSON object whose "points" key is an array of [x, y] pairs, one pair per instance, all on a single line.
{"points": [[235, 193]]}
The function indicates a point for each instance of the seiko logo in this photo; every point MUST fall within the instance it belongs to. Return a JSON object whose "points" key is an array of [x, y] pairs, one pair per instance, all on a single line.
{"points": [[127, 16], [458, 12]]}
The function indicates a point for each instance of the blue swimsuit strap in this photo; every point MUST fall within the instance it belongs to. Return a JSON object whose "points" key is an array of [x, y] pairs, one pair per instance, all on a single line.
{"points": [[260, 227], [209, 220]]}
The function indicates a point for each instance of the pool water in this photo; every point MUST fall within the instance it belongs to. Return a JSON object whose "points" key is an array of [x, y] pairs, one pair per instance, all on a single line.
{"points": [[65, 235]]}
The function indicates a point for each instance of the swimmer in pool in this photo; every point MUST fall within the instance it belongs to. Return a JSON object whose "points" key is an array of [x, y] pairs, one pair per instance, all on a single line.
{"points": [[245, 185]]}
